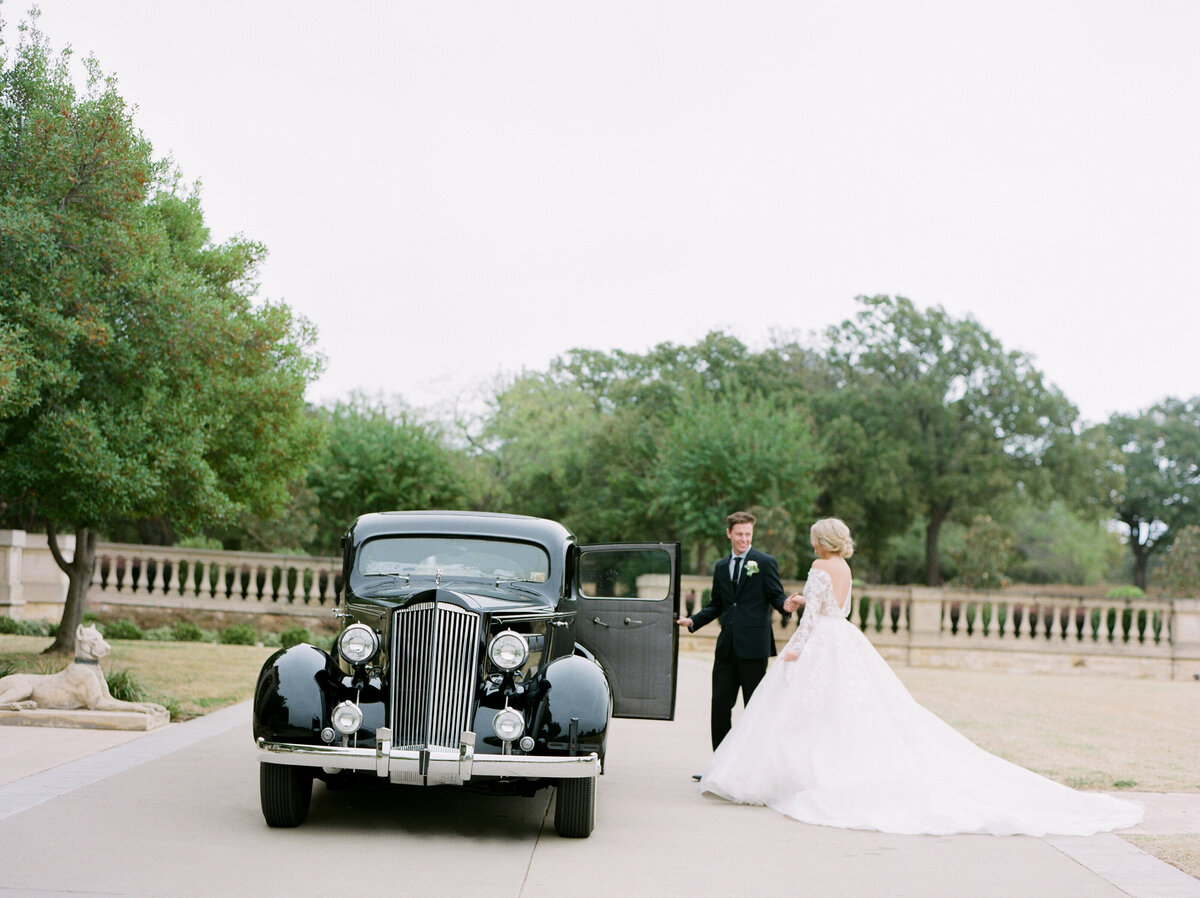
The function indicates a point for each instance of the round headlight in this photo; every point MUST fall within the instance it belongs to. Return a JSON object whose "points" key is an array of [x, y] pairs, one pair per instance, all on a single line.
{"points": [[508, 650], [346, 718], [508, 724], [358, 643]]}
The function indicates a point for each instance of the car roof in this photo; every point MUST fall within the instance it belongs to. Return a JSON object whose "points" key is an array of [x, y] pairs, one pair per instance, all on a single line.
{"points": [[455, 523]]}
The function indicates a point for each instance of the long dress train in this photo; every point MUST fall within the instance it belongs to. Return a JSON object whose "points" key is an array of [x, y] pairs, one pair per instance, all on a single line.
{"points": [[834, 738]]}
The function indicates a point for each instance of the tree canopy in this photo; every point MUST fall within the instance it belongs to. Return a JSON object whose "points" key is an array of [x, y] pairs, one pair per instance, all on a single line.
{"points": [[377, 457], [139, 376], [656, 445], [946, 415], [1153, 463]]}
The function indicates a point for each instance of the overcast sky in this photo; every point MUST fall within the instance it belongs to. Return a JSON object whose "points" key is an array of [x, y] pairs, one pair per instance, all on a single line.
{"points": [[452, 192]]}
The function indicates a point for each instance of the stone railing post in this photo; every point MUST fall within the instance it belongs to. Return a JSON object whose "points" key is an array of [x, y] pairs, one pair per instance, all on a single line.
{"points": [[925, 617], [924, 622], [12, 589], [1185, 638]]}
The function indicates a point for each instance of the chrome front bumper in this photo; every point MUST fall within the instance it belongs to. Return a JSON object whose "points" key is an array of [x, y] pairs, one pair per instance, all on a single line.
{"points": [[431, 767]]}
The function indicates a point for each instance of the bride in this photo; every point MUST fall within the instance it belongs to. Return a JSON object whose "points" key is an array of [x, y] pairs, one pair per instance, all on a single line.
{"points": [[832, 737]]}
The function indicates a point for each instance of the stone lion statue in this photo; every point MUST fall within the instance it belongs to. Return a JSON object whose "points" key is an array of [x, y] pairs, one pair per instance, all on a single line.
{"points": [[80, 685]]}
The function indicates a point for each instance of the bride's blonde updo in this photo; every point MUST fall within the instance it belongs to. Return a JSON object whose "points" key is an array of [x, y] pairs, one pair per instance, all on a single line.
{"points": [[833, 536]]}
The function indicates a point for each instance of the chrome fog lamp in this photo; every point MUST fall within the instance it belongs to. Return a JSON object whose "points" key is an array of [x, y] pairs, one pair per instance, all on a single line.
{"points": [[508, 650], [508, 724], [347, 718], [358, 643]]}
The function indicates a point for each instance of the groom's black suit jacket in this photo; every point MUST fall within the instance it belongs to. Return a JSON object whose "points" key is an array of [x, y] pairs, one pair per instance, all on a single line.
{"points": [[745, 613]]}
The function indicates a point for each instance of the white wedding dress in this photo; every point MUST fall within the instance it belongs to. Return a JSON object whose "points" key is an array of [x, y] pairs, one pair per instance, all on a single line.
{"points": [[834, 738]]}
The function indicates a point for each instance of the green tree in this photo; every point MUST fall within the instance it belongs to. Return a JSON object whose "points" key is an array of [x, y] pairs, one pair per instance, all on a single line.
{"points": [[964, 421], [139, 379], [381, 458], [865, 480], [722, 454], [985, 554], [1180, 573], [1054, 543], [1155, 456], [533, 444], [585, 441]]}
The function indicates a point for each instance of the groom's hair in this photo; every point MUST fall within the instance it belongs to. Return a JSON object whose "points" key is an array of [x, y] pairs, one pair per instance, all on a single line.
{"points": [[739, 517]]}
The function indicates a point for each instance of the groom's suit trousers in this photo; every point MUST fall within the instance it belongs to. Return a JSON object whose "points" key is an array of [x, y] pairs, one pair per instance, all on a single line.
{"points": [[729, 675]]}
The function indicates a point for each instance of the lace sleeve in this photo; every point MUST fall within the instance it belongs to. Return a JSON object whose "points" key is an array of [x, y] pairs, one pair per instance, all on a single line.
{"points": [[819, 601]]}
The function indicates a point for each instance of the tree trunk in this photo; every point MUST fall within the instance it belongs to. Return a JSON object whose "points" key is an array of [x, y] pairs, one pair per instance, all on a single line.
{"points": [[1141, 557], [933, 563], [702, 558], [79, 579]]}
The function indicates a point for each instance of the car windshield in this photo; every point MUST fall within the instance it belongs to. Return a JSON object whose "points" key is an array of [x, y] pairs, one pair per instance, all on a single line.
{"points": [[452, 557]]}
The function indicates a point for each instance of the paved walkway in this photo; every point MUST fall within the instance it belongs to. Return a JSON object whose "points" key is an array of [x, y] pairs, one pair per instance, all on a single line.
{"points": [[174, 812]]}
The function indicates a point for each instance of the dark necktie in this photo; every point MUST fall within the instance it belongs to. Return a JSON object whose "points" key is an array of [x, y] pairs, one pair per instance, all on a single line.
{"points": [[737, 570]]}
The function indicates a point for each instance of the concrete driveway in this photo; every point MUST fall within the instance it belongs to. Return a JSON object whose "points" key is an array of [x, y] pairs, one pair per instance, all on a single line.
{"points": [[175, 812]]}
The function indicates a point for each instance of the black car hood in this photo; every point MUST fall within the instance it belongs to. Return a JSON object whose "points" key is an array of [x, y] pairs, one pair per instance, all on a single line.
{"points": [[502, 600]]}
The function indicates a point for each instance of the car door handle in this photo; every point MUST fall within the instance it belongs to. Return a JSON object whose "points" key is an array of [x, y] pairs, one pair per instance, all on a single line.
{"points": [[596, 620], [629, 621]]}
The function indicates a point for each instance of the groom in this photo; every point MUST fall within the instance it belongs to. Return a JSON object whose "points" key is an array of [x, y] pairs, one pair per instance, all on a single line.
{"points": [[745, 587]]}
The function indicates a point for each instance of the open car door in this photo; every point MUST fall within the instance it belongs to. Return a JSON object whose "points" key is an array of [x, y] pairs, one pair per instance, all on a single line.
{"points": [[628, 600]]}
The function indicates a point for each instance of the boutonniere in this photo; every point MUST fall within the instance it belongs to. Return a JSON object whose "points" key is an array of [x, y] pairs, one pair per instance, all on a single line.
{"points": [[751, 568]]}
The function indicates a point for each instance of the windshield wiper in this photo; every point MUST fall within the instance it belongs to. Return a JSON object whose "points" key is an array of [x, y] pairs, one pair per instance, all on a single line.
{"points": [[514, 581], [407, 577]]}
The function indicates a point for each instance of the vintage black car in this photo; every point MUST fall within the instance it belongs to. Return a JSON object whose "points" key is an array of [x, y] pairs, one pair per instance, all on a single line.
{"points": [[481, 650]]}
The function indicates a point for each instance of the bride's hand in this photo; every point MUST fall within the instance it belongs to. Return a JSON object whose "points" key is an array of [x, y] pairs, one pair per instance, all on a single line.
{"points": [[792, 602], [790, 655]]}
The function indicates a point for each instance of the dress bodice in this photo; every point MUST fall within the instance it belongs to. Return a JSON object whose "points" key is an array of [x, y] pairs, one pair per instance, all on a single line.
{"points": [[819, 602]]}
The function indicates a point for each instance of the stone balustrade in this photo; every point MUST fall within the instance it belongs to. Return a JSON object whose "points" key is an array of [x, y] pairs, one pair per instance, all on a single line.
{"points": [[33, 587], [214, 580], [1012, 630]]}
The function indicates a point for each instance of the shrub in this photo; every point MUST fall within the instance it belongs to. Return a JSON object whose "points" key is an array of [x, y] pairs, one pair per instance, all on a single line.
{"points": [[186, 631], [239, 634], [294, 636], [271, 639], [121, 629], [12, 627], [1125, 592], [125, 686], [160, 634]]}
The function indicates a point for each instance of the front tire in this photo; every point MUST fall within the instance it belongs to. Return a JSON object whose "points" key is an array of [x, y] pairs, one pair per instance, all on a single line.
{"points": [[285, 793], [575, 807]]}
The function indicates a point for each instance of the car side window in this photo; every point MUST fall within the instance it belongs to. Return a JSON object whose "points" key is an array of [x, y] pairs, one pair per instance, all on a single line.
{"points": [[625, 574]]}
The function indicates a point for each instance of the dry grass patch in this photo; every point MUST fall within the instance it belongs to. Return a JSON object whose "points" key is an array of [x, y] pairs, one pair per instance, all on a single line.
{"points": [[192, 678], [1087, 732], [1182, 851]]}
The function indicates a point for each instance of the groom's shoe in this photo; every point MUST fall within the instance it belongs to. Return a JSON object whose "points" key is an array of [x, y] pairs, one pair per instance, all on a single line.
{"points": [[696, 776]]}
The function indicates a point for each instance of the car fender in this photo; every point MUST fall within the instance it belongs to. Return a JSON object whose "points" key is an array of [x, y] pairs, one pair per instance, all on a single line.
{"points": [[297, 688], [574, 687]]}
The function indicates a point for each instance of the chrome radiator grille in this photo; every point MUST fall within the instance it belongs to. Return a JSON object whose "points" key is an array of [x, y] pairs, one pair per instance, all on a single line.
{"points": [[435, 651]]}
